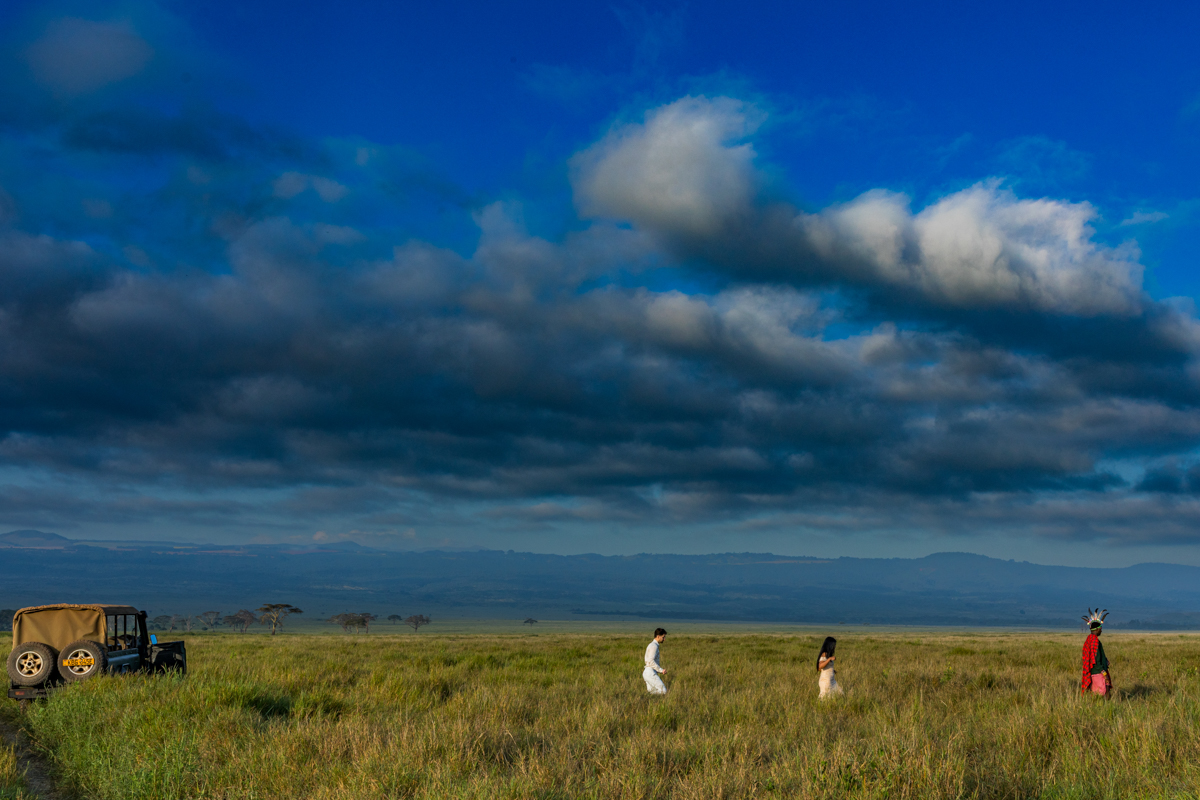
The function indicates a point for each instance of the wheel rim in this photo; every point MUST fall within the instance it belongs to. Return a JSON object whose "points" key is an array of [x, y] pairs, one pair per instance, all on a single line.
{"points": [[29, 664], [81, 669]]}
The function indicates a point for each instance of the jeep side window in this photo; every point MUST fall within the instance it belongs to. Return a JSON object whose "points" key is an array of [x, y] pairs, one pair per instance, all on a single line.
{"points": [[128, 632], [122, 635]]}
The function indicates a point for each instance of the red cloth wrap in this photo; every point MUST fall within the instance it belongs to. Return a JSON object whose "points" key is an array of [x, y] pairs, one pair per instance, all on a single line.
{"points": [[1089, 660]]}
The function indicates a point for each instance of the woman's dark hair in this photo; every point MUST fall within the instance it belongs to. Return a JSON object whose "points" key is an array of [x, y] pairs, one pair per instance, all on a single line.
{"points": [[826, 649], [659, 632]]}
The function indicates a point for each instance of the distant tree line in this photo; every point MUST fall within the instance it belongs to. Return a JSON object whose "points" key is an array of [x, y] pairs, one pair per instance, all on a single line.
{"points": [[1167, 622], [272, 615], [362, 621]]}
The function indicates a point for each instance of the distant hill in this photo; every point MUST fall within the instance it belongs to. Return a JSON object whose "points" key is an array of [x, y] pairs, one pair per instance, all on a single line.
{"points": [[941, 589], [31, 538]]}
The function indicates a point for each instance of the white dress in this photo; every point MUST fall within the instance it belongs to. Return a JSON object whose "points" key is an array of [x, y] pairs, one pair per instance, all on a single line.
{"points": [[828, 683], [651, 674]]}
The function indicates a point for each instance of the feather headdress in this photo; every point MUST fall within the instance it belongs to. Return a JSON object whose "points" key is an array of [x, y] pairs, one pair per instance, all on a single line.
{"points": [[1095, 617]]}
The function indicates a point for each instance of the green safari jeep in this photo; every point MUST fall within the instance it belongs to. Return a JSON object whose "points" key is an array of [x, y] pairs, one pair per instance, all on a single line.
{"points": [[70, 643]]}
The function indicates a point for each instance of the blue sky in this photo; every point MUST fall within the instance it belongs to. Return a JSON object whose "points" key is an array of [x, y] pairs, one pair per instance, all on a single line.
{"points": [[840, 279], [1086, 103]]}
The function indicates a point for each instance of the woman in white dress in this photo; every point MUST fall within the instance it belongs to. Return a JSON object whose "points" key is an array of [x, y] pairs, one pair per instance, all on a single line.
{"points": [[828, 680]]}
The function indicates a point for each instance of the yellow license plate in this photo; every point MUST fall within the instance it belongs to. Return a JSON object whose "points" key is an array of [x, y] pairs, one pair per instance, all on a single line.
{"points": [[78, 662]]}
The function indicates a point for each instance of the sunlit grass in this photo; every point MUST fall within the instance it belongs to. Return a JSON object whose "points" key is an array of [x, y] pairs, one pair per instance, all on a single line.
{"points": [[925, 716], [12, 780]]}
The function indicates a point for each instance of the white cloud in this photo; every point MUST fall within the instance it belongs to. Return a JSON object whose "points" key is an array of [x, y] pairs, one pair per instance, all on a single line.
{"points": [[985, 247], [1144, 217], [685, 175], [678, 169], [79, 55]]}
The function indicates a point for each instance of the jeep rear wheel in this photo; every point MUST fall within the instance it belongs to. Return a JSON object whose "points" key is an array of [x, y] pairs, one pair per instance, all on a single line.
{"points": [[30, 664], [80, 660]]}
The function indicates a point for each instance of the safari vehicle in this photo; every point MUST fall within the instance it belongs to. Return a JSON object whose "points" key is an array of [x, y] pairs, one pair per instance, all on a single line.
{"points": [[71, 643]]}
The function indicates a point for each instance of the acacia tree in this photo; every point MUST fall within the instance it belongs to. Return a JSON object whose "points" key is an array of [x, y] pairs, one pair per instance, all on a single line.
{"points": [[242, 619], [530, 621], [211, 618], [274, 614], [367, 619], [416, 621], [393, 618], [162, 621]]}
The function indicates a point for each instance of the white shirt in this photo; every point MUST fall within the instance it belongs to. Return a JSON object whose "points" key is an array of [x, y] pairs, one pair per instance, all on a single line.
{"points": [[652, 656]]}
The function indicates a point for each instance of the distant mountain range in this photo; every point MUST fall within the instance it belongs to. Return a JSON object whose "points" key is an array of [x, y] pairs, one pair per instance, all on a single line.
{"points": [[941, 589]]}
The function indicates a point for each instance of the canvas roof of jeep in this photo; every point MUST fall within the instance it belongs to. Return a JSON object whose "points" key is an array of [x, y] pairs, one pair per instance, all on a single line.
{"points": [[59, 625]]}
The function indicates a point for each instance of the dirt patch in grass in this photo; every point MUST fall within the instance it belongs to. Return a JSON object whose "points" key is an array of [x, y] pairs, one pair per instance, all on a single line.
{"points": [[27, 775]]}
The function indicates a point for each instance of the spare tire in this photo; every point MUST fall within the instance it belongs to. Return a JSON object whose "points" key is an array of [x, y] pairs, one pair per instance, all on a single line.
{"points": [[81, 660], [30, 664]]}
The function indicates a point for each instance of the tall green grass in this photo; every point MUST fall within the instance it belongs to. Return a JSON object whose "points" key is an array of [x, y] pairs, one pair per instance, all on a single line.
{"points": [[928, 716], [12, 778]]}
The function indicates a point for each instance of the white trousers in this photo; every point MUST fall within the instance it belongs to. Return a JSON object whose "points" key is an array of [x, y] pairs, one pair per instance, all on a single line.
{"points": [[654, 682]]}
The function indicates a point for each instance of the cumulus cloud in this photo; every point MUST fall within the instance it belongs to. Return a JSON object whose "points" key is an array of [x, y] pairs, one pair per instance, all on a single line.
{"points": [[76, 55], [683, 169], [686, 175], [984, 248]]}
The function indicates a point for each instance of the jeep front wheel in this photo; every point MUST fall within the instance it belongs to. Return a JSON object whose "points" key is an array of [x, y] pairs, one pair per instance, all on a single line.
{"points": [[30, 664], [80, 660]]}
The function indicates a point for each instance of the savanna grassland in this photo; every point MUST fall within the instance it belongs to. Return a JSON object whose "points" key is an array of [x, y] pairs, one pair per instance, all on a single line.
{"points": [[430, 715]]}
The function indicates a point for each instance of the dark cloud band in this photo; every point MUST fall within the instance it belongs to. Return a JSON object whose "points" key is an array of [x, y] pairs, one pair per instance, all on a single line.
{"points": [[254, 323]]}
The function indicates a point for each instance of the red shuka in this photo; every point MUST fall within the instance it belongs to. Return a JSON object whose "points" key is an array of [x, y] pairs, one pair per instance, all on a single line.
{"points": [[1089, 659]]}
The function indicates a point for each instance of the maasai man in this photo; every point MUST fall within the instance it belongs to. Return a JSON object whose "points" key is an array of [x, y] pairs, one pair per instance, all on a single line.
{"points": [[654, 684], [1095, 663]]}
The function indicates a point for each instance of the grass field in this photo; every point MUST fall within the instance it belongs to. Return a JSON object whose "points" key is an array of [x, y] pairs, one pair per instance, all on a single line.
{"points": [[565, 715]]}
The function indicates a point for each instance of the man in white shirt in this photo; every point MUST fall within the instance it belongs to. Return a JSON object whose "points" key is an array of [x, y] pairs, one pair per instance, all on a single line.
{"points": [[654, 684]]}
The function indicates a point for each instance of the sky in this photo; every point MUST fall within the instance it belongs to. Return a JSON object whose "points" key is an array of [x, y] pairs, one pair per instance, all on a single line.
{"points": [[825, 279]]}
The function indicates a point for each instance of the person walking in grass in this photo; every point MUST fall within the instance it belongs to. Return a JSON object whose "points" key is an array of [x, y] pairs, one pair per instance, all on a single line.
{"points": [[1095, 663], [827, 681], [654, 671]]}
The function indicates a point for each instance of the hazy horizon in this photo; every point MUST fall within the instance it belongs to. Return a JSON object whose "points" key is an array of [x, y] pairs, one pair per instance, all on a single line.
{"points": [[941, 589], [391, 546]]}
